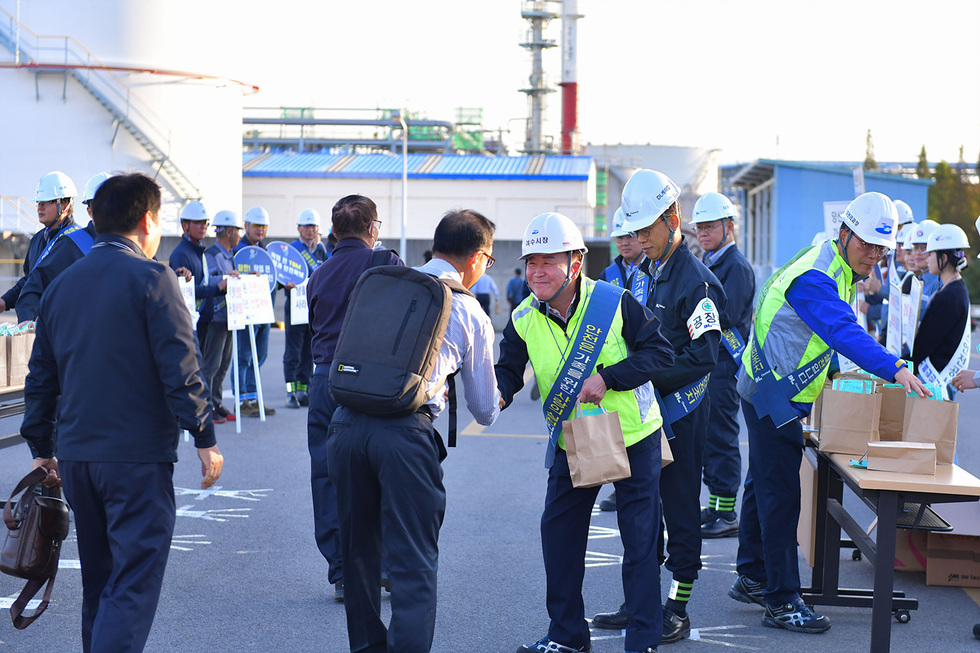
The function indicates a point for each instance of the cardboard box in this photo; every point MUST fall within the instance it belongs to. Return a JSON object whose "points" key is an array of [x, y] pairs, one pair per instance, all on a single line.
{"points": [[848, 421], [806, 529], [906, 457], [910, 549], [953, 558]]}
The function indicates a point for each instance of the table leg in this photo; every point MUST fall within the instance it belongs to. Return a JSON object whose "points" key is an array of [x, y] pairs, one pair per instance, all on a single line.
{"points": [[884, 582]]}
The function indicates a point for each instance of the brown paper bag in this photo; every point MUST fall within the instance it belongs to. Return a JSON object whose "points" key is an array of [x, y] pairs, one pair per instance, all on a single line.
{"points": [[907, 457], [596, 449], [848, 421], [891, 424], [4, 381], [18, 356], [666, 455], [929, 420]]}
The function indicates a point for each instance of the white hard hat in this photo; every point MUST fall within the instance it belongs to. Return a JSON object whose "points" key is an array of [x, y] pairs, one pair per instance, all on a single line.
{"points": [[309, 216], [54, 186], [92, 185], [904, 213], [227, 219], [920, 234], [194, 211], [619, 219], [903, 231], [947, 236], [551, 233], [907, 242], [646, 196], [711, 207], [873, 218], [257, 215]]}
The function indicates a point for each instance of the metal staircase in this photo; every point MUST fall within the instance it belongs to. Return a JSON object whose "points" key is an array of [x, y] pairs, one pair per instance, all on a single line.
{"points": [[17, 215], [65, 55]]}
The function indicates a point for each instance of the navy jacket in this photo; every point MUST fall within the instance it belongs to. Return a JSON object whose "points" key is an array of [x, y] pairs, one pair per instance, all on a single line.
{"points": [[650, 353], [678, 286], [115, 340], [63, 253], [188, 255], [735, 273], [39, 241], [328, 293]]}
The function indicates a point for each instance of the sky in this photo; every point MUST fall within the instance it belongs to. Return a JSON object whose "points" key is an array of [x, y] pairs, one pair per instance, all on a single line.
{"points": [[754, 78], [790, 79]]}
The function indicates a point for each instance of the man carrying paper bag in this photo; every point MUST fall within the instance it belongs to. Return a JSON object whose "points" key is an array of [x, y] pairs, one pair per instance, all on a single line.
{"points": [[589, 341]]}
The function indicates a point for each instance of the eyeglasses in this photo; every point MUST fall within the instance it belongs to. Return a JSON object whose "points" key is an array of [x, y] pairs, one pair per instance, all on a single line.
{"points": [[645, 232], [377, 222], [490, 259], [706, 227], [878, 250]]}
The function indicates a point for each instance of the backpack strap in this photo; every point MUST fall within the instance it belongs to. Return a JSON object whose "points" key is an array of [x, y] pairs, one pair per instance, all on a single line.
{"points": [[30, 589], [456, 287]]}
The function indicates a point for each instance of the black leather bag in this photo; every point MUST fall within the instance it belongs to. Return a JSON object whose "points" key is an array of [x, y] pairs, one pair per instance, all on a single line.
{"points": [[36, 528]]}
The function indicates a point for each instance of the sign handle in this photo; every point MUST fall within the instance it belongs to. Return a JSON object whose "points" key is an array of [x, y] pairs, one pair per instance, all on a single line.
{"points": [[255, 368], [238, 393]]}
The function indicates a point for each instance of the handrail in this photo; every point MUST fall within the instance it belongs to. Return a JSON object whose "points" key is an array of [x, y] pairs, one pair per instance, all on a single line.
{"points": [[13, 216]]}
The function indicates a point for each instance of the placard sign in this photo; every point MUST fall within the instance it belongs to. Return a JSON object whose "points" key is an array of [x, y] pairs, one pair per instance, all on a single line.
{"points": [[190, 298], [911, 303], [254, 259], [235, 302], [299, 311], [257, 300], [289, 263], [833, 213]]}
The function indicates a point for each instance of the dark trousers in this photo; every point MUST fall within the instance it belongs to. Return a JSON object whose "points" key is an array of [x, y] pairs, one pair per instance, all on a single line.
{"points": [[326, 528], [484, 299], [124, 520], [771, 506], [722, 460], [297, 358], [565, 536], [216, 357], [388, 480], [680, 492], [246, 375]]}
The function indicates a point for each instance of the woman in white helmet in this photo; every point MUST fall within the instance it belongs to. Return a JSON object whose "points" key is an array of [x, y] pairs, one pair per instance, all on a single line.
{"points": [[968, 380], [942, 343]]}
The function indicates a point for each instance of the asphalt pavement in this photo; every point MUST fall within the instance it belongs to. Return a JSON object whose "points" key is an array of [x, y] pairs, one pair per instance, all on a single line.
{"points": [[245, 575]]}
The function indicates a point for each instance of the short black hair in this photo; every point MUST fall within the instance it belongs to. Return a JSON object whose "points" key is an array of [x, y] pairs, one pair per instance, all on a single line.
{"points": [[462, 233], [122, 201], [352, 216]]}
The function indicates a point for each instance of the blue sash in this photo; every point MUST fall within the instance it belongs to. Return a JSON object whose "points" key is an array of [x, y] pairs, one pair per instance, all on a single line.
{"points": [[732, 340], [613, 276], [311, 260], [681, 402], [772, 396], [640, 287], [78, 235], [580, 360]]}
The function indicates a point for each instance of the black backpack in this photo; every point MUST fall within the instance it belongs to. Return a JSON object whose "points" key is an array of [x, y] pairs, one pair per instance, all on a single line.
{"points": [[390, 340]]}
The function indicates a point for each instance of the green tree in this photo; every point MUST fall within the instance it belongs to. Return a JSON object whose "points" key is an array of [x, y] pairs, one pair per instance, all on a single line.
{"points": [[869, 154], [922, 169]]}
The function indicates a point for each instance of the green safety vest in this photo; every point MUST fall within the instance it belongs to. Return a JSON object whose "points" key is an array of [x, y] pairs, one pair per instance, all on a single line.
{"points": [[788, 343], [546, 342]]}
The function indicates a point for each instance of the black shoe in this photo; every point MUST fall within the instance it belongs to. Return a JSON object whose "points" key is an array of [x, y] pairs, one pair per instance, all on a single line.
{"points": [[338, 591], [612, 620], [707, 514], [747, 590], [676, 627], [292, 401], [609, 503], [795, 616], [720, 526], [304, 397], [385, 583], [545, 645]]}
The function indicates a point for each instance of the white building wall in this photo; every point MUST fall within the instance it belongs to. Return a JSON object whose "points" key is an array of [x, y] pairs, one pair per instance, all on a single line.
{"points": [[510, 204]]}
